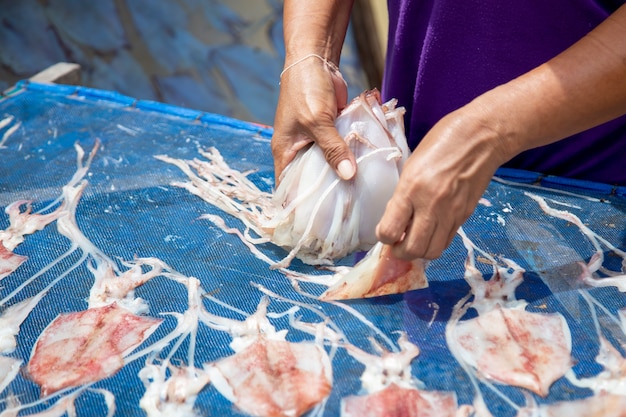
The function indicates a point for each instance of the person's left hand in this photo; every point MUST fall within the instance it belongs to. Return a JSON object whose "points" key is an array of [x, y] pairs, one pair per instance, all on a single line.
{"points": [[440, 186]]}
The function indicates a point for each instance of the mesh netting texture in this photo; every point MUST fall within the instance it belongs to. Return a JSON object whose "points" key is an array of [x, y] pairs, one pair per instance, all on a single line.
{"points": [[130, 209]]}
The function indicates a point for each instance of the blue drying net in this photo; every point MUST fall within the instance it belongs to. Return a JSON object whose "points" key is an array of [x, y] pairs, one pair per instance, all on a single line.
{"points": [[131, 209]]}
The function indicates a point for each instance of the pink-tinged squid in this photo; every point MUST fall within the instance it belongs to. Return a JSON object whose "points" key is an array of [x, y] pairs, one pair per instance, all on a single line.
{"points": [[9, 261], [505, 343], [24, 222], [268, 376], [390, 389], [608, 386], [86, 346], [603, 405], [378, 273], [20, 223]]}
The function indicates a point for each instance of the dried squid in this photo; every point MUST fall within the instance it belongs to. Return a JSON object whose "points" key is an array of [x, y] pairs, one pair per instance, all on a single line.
{"points": [[86, 346], [391, 391], [608, 386], [506, 343], [269, 376]]}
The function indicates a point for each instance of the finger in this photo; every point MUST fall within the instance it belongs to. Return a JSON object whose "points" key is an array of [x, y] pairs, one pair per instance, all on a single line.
{"points": [[336, 151], [341, 89], [438, 242], [279, 167], [284, 150], [396, 218], [433, 228], [419, 238]]}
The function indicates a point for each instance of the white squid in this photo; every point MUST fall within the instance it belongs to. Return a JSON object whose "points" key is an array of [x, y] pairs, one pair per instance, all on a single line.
{"points": [[313, 213]]}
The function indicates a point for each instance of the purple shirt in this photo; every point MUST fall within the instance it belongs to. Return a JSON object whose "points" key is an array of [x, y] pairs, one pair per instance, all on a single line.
{"points": [[444, 53]]}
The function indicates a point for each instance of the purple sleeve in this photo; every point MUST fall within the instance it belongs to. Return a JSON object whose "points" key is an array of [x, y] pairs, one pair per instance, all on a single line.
{"points": [[444, 53]]}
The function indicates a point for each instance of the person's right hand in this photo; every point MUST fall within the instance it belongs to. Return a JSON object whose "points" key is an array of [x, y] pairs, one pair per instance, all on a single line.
{"points": [[311, 96]]}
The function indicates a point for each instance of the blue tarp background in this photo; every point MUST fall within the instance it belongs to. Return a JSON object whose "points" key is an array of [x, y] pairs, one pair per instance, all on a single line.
{"points": [[220, 56]]}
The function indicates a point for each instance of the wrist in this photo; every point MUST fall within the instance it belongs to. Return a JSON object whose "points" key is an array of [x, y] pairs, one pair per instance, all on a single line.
{"points": [[491, 128], [315, 27]]}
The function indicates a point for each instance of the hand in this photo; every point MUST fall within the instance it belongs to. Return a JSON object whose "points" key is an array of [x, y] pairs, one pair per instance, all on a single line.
{"points": [[440, 186], [311, 96]]}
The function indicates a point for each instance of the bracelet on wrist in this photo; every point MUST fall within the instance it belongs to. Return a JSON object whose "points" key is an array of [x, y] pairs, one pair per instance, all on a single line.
{"points": [[328, 63]]}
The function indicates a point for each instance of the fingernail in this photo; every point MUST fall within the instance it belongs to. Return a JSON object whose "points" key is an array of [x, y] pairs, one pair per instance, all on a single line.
{"points": [[345, 169]]}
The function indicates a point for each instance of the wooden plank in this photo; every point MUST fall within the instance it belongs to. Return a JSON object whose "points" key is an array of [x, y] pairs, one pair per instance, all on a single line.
{"points": [[370, 23]]}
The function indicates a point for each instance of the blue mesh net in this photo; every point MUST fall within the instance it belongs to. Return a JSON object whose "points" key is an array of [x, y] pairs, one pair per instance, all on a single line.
{"points": [[130, 209]]}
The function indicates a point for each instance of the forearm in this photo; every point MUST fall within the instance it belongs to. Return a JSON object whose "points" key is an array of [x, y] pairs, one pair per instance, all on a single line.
{"points": [[450, 169], [315, 27], [581, 88]]}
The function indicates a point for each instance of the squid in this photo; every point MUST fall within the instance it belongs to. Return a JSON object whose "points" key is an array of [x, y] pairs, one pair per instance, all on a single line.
{"points": [[378, 273], [608, 386], [505, 343], [9, 261], [326, 218], [391, 391], [268, 376], [602, 405], [86, 346], [20, 223], [313, 214]]}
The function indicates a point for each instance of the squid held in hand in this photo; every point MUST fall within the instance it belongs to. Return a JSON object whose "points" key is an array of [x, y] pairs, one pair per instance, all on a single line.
{"points": [[324, 217], [314, 214]]}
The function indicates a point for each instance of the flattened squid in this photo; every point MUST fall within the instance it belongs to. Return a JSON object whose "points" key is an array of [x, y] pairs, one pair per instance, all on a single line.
{"points": [[268, 376], [506, 343], [603, 405], [86, 346], [608, 386], [390, 389], [378, 273]]}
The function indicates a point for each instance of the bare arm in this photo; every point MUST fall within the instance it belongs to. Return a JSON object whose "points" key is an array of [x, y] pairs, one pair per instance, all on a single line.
{"points": [[311, 93], [448, 172]]}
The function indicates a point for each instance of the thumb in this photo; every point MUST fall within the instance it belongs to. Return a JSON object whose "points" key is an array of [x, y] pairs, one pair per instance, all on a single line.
{"points": [[336, 151]]}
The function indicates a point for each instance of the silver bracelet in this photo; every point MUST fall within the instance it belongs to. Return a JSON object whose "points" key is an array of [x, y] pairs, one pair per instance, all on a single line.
{"points": [[328, 63]]}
